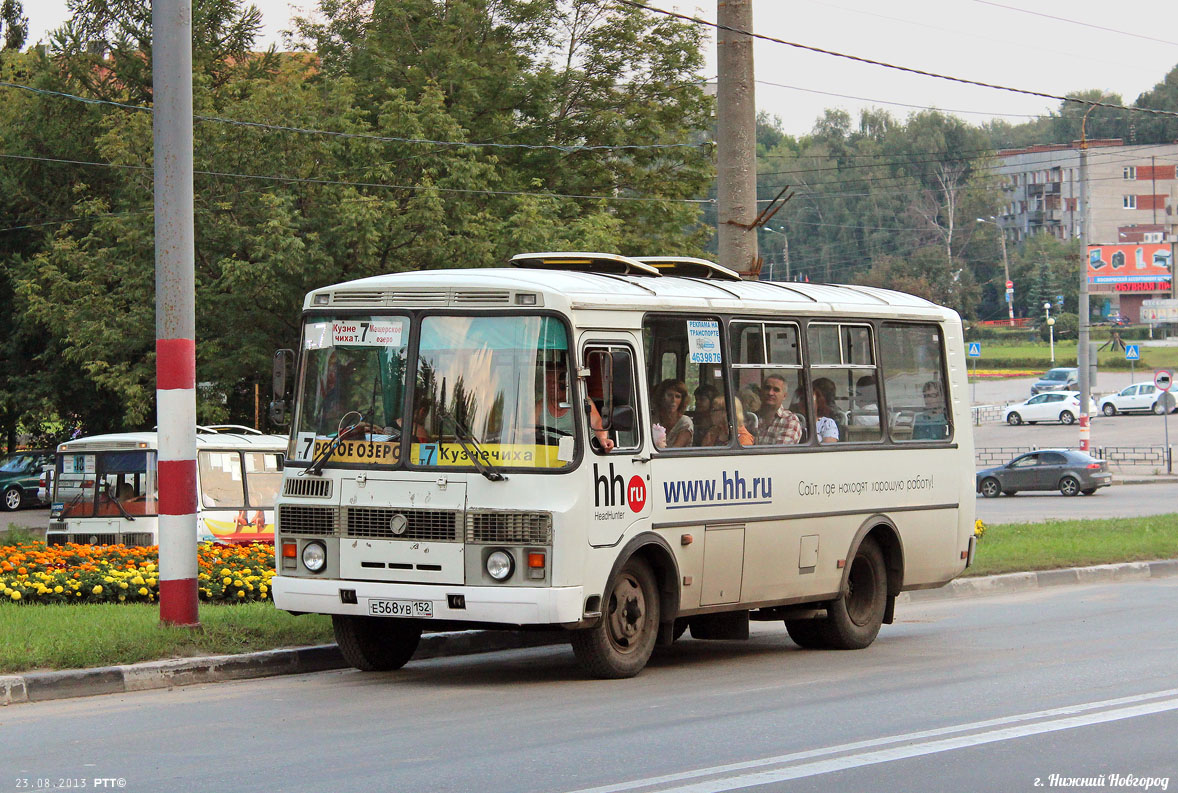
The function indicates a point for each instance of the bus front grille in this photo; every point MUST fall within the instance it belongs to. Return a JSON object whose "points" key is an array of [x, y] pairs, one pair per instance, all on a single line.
{"points": [[297, 519], [434, 525], [527, 528], [131, 539], [316, 487]]}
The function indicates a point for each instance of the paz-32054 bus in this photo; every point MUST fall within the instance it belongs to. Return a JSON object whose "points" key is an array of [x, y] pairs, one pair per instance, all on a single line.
{"points": [[623, 448]]}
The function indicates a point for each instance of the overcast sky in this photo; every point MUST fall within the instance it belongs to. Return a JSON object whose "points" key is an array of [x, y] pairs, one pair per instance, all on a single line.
{"points": [[1125, 49]]}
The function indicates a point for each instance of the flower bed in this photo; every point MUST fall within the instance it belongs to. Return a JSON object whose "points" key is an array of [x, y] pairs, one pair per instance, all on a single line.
{"points": [[33, 572]]}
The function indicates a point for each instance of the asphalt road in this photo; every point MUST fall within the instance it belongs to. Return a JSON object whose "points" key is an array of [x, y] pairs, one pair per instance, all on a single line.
{"points": [[1118, 501], [985, 694]]}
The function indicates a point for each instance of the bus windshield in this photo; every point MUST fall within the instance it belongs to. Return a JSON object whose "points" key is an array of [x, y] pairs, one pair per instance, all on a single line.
{"points": [[105, 483], [353, 377], [497, 387]]}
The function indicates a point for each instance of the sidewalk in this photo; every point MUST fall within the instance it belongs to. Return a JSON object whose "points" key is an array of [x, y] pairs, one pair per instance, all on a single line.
{"points": [[42, 686]]}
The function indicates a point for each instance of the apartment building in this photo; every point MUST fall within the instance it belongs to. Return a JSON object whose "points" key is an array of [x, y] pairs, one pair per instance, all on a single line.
{"points": [[1132, 199]]}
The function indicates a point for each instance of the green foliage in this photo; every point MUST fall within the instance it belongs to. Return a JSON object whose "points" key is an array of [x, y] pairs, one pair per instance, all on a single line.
{"points": [[14, 25], [1067, 326], [279, 213]]}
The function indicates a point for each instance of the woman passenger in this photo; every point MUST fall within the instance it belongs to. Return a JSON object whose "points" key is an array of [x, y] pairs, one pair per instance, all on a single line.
{"points": [[670, 412]]}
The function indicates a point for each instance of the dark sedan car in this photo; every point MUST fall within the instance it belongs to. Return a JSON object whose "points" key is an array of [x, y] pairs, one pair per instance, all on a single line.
{"points": [[20, 474], [1059, 379], [1066, 470]]}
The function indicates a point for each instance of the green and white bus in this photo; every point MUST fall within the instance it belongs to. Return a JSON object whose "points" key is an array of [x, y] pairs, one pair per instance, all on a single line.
{"points": [[623, 449]]}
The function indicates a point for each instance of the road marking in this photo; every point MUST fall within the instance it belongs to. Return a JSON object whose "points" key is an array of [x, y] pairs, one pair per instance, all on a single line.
{"points": [[983, 732]]}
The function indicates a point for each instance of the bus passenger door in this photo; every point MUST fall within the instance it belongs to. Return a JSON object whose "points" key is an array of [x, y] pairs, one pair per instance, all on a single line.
{"points": [[620, 476]]}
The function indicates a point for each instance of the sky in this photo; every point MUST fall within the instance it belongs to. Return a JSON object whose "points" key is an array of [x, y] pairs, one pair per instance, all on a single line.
{"points": [[1016, 43]]}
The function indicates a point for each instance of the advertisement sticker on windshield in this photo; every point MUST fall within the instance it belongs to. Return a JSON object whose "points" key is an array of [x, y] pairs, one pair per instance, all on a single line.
{"points": [[703, 340]]}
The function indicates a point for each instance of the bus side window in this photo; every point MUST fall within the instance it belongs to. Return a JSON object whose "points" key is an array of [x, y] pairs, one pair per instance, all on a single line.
{"points": [[914, 388], [611, 388], [689, 375]]}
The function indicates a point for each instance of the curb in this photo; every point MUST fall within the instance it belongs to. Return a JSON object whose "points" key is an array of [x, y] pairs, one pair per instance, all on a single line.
{"points": [[44, 686]]}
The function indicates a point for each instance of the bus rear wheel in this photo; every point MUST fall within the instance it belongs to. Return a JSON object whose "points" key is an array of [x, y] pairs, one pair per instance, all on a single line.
{"points": [[853, 620], [806, 633], [376, 644], [623, 639]]}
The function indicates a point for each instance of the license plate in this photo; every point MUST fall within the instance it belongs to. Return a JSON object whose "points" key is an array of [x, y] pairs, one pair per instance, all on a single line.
{"points": [[400, 608]]}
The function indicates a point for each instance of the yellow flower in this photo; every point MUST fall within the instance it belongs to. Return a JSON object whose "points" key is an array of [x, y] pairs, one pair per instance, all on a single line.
{"points": [[240, 594], [108, 579], [226, 571], [58, 589], [97, 590], [16, 595], [238, 582], [137, 580], [122, 598], [122, 585], [151, 582], [226, 580], [142, 590]]}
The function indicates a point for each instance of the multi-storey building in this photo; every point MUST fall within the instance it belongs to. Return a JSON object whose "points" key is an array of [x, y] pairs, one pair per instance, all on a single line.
{"points": [[1132, 199]]}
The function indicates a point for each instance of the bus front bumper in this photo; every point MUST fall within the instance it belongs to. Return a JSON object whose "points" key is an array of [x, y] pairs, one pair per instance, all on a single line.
{"points": [[504, 605]]}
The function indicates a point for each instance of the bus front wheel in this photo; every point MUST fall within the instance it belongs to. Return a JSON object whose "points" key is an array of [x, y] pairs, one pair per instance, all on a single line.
{"points": [[376, 644], [853, 621], [806, 633], [623, 639]]}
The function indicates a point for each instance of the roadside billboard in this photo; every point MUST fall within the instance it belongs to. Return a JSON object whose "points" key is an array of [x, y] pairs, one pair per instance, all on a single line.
{"points": [[1145, 266], [1159, 311]]}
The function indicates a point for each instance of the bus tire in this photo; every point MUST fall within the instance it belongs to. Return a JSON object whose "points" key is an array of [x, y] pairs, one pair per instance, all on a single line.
{"points": [[376, 644], [854, 619], [806, 633], [621, 643]]}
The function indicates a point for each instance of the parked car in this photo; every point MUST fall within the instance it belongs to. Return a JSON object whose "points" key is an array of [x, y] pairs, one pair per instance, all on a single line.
{"points": [[1059, 379], [20, 474], [1140, 396], [1061, 406], [1066, 470]]}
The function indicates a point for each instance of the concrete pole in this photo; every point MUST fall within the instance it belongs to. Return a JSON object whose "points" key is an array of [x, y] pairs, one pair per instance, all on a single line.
{"points": [[1006, 272], [736, 141], [1082, 308], [175, 301]]}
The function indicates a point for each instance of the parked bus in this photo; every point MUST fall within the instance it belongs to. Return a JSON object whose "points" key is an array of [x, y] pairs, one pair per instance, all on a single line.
{"points": [[105, 491], [622, 448]]}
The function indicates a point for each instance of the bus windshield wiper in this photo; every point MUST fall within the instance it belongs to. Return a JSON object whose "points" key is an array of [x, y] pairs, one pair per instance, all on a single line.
{"points": [[484, 467], [119, 504], [320, 459]]}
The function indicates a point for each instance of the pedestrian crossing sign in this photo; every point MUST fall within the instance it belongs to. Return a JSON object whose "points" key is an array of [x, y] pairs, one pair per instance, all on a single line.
{"points": [[1132, 352], [975, 349]]}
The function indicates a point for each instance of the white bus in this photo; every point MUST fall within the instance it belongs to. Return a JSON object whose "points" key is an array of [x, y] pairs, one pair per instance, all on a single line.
{"points": [[623, 448], [105, 491]]}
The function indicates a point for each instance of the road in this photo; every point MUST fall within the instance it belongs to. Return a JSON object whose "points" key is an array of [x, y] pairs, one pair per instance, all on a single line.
{"points": [[982, 694], [1118, 501], [1121, 430]]}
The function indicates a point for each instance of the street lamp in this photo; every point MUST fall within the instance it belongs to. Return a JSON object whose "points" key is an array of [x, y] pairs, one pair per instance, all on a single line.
{"points": [[1005, 267], [784, 251], [1050, 330]]}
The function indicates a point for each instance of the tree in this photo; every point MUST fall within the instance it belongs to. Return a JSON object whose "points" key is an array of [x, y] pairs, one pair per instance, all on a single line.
{"points": [[14, 25]]}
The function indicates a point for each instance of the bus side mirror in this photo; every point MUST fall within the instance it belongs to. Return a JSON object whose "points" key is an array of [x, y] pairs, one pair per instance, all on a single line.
{"points": [[279, 412]]}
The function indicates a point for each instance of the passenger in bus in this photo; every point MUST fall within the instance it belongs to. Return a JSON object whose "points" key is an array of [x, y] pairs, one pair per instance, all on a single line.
{"points": [[554, 413], [718, 433], [779, 424], [825, 425], [670, 403], [931, 424], [702, 415], [865, 408], [750, 395]]}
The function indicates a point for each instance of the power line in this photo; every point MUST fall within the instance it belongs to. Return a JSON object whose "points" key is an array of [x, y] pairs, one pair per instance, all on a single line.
{"points": [[898, 104], [373, 185], [883, 64], [363, 136], [1076, 22]]}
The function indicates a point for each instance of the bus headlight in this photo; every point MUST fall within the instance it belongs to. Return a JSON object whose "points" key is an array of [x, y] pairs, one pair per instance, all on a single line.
{"points": [[314, 557], [500, 565]]}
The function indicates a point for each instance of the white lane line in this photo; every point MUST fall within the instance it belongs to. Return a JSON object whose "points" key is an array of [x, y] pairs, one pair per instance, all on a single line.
{"points": [[809, 754], [918, 750]]}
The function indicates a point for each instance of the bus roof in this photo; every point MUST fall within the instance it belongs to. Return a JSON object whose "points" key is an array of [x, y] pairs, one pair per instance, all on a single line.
{"points": [[608, 281], [204, 440]]}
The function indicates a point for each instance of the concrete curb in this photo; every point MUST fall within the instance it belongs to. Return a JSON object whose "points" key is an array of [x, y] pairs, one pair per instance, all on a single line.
{"points": [[43, 686]]}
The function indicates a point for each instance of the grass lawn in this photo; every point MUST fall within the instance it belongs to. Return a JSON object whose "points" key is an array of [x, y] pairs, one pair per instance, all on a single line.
{"points": [[59, 636], [1015, 547], [1037, 355]]}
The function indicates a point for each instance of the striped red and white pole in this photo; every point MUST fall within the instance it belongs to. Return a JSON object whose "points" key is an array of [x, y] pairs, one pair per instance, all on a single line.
{"points": [[175, 305]]}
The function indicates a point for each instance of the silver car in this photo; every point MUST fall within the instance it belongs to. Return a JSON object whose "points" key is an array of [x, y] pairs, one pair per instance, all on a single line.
{"points": [[1059, 379], [1069, 471]]}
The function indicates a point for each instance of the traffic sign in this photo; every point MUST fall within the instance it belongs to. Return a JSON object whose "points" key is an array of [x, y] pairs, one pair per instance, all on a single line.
{"points": [[1132, 352], [1009, 285], [1163, 379], [975, 349]]}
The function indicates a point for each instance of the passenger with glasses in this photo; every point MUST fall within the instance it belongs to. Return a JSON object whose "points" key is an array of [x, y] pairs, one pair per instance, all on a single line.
{"points": [[931, 423]]}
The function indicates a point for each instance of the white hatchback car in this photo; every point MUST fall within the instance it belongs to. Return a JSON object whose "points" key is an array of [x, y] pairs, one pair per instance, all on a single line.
{"points": [[1141, 396], [1061, 406]]}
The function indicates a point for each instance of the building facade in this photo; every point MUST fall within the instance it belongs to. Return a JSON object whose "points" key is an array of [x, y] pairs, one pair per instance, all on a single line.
{"points": [[1132, 199]]}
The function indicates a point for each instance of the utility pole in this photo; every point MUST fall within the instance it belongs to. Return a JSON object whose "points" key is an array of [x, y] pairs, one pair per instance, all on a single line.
{"points": [[1005, 267], [736, 139], [175, 302], [1082, 309]]}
